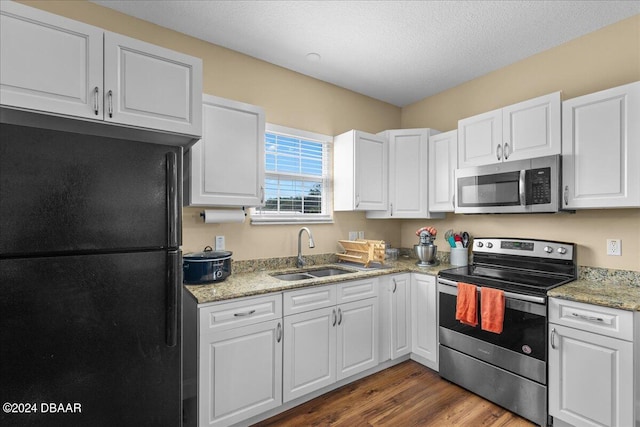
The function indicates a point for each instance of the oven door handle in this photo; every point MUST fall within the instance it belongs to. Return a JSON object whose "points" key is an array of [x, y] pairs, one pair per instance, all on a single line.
{"points": [[510, 295]]}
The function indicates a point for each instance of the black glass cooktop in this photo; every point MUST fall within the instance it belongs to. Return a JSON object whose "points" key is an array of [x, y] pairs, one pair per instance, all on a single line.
{"points": [[506, 279]]}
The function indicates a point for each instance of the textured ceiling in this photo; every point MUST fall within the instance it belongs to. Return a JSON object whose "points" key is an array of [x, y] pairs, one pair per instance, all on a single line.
{"points": [[395, 51]]}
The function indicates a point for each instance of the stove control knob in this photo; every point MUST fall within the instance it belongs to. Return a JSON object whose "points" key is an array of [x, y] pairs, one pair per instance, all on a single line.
{"points": [[479, 244], [548, 249], [562, 250], [489, 245]]}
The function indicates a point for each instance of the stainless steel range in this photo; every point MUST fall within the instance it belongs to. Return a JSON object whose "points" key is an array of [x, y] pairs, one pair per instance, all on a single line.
{"points": [[508, 368]]}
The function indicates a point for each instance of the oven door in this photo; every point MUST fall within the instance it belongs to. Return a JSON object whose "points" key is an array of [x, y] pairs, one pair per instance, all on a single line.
{"points": [[521, 348]]}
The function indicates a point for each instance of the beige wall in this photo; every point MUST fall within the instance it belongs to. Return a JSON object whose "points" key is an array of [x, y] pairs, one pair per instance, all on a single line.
{"points": [[600, 60], [603, 59]]}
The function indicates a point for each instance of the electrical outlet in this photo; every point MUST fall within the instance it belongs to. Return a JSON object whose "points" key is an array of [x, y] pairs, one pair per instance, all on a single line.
{"points": [[360, 234], [219, 243], [614, 247], [353, 235]]}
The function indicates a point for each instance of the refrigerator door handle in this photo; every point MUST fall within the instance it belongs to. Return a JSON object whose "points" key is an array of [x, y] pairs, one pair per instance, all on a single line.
{"points": [[173, 288], [172, 200]]}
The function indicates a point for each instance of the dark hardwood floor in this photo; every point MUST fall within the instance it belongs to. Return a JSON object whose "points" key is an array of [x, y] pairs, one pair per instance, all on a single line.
{"points": [[405, 395]]}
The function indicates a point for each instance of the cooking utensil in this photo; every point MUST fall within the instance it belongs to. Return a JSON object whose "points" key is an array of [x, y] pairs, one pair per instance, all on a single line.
{"points": [[448, 236], [465, 239]]}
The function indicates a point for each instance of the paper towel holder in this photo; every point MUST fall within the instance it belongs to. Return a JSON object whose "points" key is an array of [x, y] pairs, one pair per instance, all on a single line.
{"points": [[202, 214]]}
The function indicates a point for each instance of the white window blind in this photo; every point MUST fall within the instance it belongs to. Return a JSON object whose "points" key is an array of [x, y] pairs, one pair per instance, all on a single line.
{"points": [[296, 177]]}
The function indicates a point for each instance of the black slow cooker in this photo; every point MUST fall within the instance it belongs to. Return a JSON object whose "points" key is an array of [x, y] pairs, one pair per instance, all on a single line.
{"points": [[206, 266]]}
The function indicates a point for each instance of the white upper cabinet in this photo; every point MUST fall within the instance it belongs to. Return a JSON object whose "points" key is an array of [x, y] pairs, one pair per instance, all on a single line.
{"points": [[226, 167], [150, 86], [360, 172], [524, 130], [443, 161], [49, 63], [59, 66], [408, 177], [601, 149], [532, 128], [478, 139]]}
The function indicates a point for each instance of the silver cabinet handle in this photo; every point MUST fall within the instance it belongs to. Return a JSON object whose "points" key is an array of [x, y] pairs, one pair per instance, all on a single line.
{"points": [[588, 318], [261, 195], [110, 96], [566, 194], [553, 334], [357, 200], [391, 209], [395, 285], [339, 316], [96, 106], [335, 318], [499, 151], [279, 332], [506, 151], [246, 313]]}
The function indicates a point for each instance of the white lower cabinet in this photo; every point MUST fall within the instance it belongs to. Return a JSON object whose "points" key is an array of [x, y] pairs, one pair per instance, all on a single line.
{"points": [[400, 314], [332, 342], [310, 352], [424, 320], [234, 360], [591, 365]]}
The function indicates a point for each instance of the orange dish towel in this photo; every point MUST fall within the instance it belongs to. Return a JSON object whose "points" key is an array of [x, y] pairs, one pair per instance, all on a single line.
{"points": [[466, 304], [492, 309]]}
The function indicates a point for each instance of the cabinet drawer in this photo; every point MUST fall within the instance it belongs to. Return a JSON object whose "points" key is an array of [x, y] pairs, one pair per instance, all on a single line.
{"points": [[223, 316], [607, 321], [357, 290], [309, 299]]}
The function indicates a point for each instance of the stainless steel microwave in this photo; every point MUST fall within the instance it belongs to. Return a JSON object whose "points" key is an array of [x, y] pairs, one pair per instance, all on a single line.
{"points": [[522, 186]]}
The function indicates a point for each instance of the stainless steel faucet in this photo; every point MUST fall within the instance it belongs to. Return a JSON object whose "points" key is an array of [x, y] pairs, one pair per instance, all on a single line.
{"points": [[300, 262]]}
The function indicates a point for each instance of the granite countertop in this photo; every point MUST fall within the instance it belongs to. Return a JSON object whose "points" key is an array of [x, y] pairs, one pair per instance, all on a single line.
{"points": [[609, 288], [239, 285], [606, 292]]}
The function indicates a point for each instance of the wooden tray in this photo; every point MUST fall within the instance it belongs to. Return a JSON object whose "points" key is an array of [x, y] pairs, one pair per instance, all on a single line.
{"points": [[362, 251]]}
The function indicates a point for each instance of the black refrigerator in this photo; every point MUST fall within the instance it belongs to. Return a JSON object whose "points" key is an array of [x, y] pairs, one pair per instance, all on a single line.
{"points": [[90, 280]]}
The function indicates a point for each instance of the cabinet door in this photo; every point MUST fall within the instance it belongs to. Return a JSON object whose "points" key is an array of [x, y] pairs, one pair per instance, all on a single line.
{"points": [[309, 352], [532, 128], [443, 161], [424, 320], [152, 87], [226, 167], [590, 378], [400, 315], [357, 348], [240, 373], [407, 175], [601, 149], [480, 139], [371, 172], [49, 63]]}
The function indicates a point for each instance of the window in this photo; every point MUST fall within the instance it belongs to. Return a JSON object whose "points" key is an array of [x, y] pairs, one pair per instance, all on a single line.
{"points": [[296, 183]]}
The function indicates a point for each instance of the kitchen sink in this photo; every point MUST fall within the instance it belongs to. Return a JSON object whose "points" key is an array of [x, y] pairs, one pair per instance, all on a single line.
{"points": [[311, 274]]}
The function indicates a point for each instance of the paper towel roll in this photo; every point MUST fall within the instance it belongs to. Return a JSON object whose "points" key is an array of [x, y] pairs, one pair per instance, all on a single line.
{"points": [[216, 216]]}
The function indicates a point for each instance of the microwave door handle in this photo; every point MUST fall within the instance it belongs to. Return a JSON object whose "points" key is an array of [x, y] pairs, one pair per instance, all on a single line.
{"points": [[521, 185]]}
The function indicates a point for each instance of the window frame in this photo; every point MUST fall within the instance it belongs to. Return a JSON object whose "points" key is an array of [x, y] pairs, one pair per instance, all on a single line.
{"points": [[259, 217]]}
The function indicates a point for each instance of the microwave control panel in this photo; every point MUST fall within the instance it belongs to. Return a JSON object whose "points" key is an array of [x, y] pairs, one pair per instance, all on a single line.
{"points": [[539, 186]]}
